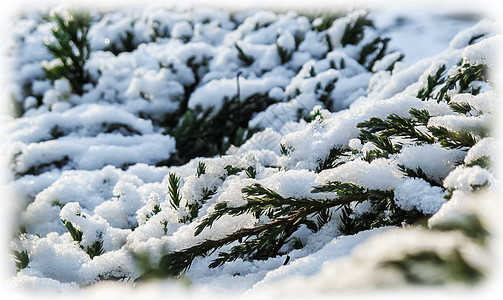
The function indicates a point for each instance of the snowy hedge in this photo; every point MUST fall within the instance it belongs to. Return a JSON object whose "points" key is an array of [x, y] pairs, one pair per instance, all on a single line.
{"points": [[250, 147]]}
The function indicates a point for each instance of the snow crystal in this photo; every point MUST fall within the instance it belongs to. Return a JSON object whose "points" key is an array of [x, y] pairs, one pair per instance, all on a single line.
{"points": [[120, 212], [485, 102], [416, 193], [213, 93], [460, 122], [488, 147], [468, 178], [287, 41], [380, 174], [62, 85], [484, 52], [54, 248], [355, 144], [292, 183], [181, 30], [114, 264], [83, 120], [95, 152], [435, 161], [29, 102]]}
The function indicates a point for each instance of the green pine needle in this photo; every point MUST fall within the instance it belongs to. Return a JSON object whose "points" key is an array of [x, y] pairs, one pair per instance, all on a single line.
{"points": [[21, 259], [174, 191]]}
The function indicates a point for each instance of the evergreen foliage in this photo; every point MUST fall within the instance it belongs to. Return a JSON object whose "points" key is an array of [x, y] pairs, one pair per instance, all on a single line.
{"points": [[354, 31], [433, 81], [174, 190], [286, 215], [283, 53], [395, 125], [246, 59], [281, 223], [72, 49], [21, 259], [325, 21], [373, 52], [453, 140], [331, 161], [467, 74], [126, 44], [95, 249], [452, 266], [208, 133], [201, 169]]}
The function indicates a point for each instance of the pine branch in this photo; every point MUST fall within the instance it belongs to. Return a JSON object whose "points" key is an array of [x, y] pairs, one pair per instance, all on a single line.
{"points": [[465, 76], [395, 125], [74, 232], [433, 81], [348, 224], [460, 108], [201, 169], [369, 156], [453, 140], [286, 215], [422, 116], [248, 60], [21, 259], [325, 96], [284, 150], [284, 54], [174, 191], [232, 170], [353, 33], [419, 173], [452, 265], [382, 142], [326, 22], [95, 249], [330, 161], [483, 162], [251, 172], [373, 52], [72, 48]]}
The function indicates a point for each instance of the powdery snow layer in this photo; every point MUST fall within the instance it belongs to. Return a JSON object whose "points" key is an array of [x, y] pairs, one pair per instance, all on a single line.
{"points": [[97, 199]]}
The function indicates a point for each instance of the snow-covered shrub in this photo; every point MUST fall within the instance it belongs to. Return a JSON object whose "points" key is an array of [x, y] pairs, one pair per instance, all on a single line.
{"points": [[213, 146]]}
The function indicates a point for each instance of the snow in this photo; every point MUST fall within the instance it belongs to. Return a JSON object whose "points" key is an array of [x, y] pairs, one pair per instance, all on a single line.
{"points": [[98, 160], [435, 161], [417, 193], [486, 147], [378, 175]]}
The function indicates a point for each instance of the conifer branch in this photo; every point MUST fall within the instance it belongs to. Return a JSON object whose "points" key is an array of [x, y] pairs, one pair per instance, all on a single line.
{"points": [[395, 125], [353, 32], [21, 259], [286, 215], [248, 60], [461, 108], [201, 169], [174, 191], [330, 161], [483, 162], [72, 48], [451, 139], [466, 75], [433, 81], [419, 173]]}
